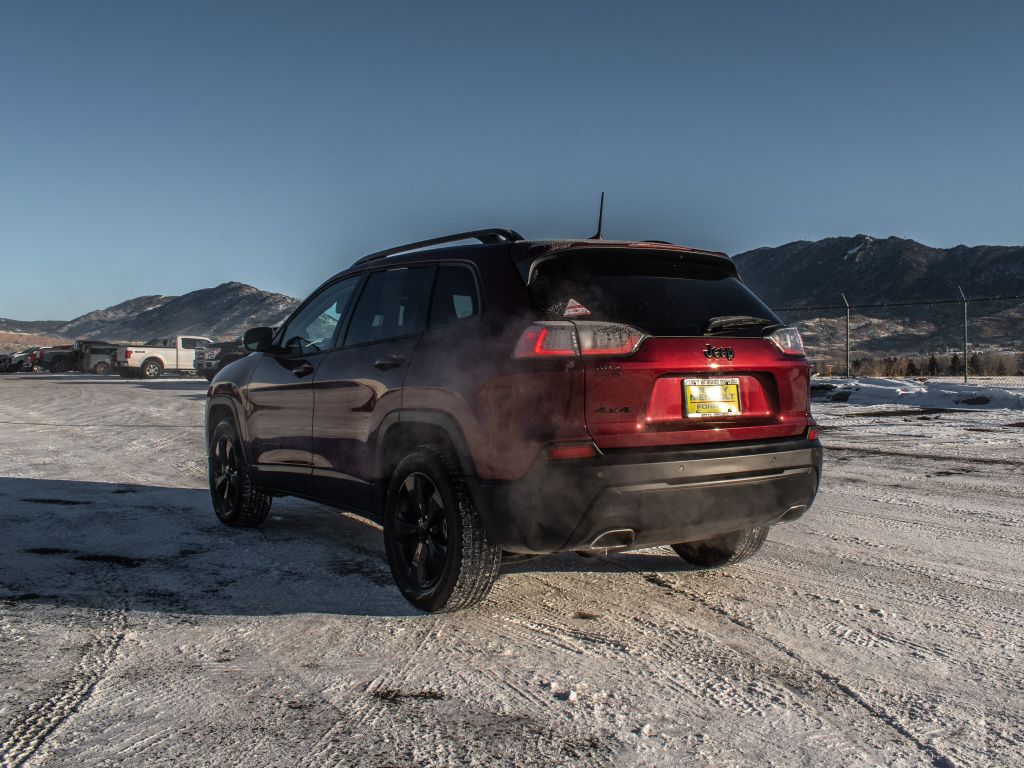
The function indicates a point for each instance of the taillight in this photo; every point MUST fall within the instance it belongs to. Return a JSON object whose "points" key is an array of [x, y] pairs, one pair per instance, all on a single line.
{"points": [[813, 433], [547, 340], [788, 341], [585, 337], [127, 354]]}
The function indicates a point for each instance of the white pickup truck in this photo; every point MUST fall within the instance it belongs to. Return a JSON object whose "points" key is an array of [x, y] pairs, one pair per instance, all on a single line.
{"points": [[174, 353]]}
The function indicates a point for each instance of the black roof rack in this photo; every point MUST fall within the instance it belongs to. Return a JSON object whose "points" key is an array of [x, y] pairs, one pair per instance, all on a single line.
{"points": [[494, 235]]}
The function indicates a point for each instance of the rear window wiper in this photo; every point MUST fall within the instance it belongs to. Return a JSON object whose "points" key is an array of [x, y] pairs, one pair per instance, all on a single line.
{"points": [[732, 322]]}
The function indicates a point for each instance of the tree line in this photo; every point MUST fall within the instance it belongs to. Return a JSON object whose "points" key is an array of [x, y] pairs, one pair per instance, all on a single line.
{"points": [[900, 366]]}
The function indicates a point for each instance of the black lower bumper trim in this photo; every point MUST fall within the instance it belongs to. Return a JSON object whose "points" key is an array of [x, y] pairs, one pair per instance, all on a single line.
{"points": [[685, 495]]}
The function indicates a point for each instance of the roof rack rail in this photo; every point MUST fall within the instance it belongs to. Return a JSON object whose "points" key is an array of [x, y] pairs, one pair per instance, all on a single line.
{"points": [[493, 235]]}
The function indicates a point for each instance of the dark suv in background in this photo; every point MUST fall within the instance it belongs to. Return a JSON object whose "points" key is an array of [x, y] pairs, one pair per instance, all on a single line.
{"points": [[513, 398]]}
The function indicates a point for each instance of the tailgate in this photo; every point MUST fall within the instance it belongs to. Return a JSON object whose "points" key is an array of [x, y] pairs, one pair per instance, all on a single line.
{"points": [[642, 400], [704, 370]]}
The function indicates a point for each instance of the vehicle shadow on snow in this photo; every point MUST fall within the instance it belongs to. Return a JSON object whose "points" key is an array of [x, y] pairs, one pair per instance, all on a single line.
{"points": [[660, 560], [113, 546]]}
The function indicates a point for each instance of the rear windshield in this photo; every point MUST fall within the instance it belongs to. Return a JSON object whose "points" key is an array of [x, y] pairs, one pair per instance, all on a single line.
{"points": [[664, 297]]}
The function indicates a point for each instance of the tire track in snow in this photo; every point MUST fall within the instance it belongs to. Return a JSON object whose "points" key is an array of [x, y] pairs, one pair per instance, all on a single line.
{"points": [[26, 733], [937, 758], [369, 708], [687, 662]]}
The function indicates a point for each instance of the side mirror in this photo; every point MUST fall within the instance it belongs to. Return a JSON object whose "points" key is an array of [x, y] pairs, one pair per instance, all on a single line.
{"points": [[258, 339]]}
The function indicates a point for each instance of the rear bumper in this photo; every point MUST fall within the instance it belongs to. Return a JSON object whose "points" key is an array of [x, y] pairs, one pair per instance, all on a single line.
{"points": [[631, 499]]}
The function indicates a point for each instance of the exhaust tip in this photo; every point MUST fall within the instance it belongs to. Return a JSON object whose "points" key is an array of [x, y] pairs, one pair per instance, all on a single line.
{"points": [[618, 538], [793, 512]]}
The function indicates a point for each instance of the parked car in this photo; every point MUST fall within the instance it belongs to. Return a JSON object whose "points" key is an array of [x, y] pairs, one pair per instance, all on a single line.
{"points": [[209, 360], [93, 356], [56, 359], [8, 363], [28, 358], [517, 398], [150, 360]]}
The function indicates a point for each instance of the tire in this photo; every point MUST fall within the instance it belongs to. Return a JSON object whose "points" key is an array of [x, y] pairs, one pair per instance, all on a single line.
{"points": [[438, 552], [237, 500], [60, 366], [723, 550], [101, 369], [151, 368]]}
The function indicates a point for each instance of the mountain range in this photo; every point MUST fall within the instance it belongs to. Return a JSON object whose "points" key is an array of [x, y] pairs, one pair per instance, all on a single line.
{"points": [[878, 271], [799, 278], [793, 279], [222, 312]]}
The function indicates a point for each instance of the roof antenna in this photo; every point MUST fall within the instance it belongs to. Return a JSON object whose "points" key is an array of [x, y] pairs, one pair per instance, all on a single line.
{"points": [[600, 220]]}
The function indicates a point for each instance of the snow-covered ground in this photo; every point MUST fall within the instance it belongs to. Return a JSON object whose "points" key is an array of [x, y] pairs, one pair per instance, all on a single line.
{"points": [[983, 394], [885, 628]]}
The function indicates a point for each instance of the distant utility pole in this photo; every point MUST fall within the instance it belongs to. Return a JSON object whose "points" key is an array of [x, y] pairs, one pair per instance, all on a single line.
{"points": [[964, 297], [847, 334]]}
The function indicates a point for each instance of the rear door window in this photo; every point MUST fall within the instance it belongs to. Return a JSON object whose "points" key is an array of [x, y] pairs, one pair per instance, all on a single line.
{"points": [[393, 304], [662, 296], [455, 297]]}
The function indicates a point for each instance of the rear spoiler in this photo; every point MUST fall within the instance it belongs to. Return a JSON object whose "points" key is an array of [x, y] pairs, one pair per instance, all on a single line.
{"points": [[528, 258]]}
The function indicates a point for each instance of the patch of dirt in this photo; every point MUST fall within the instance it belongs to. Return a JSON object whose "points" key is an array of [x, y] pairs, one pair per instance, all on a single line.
{"points": [[979, 400], [124, 562], [22, 598], [59, 502], [393, 695], [921, 413], [47, 551]]}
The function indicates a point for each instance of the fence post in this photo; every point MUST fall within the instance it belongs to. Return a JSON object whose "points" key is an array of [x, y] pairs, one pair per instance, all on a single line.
{"points": [[964, 297], [847, 334]]}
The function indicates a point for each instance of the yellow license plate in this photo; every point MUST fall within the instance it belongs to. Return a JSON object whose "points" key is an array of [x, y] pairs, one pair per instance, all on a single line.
{"points": [[711, 397]]}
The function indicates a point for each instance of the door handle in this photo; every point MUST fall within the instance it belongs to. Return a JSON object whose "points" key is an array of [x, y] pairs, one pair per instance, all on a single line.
{"points": [[303, 370], [389, 361]]}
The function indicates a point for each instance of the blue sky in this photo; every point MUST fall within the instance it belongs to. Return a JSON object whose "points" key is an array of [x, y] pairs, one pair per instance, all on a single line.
{"points": [[163, 147]]}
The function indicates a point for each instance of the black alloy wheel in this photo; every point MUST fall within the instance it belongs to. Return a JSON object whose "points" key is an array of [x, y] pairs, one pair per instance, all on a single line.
{"points": [[437, 548], [420, 532], [236, 499], [225, 475]]}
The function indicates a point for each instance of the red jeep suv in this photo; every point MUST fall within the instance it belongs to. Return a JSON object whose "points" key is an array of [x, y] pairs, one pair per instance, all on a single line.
{"points": [[510, 398]]}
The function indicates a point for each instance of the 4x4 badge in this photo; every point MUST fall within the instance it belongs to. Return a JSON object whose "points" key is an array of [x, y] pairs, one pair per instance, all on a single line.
{"points": [[725, 352]]}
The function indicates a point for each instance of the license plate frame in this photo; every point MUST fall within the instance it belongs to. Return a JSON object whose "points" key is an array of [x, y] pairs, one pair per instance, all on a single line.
{"points": [[701, 401]]}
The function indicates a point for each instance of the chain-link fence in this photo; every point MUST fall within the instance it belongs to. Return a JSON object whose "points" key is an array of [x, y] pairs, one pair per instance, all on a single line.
{"points": [[956, 338]]}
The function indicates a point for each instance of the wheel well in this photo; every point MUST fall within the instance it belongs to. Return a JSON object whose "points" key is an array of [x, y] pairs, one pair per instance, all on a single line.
{"points": [[402, 438], [216, 416]]}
